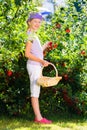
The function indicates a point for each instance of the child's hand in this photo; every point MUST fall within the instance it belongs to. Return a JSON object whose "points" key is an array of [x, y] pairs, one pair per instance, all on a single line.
{"points": [[45, 63], [47, 45]]}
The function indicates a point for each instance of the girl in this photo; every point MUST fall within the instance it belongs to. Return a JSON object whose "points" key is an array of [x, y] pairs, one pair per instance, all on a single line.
{"points": [[34, 54]]}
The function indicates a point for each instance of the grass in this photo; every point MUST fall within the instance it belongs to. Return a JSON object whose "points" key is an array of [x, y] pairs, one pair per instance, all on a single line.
{"points": [[60, 122]]}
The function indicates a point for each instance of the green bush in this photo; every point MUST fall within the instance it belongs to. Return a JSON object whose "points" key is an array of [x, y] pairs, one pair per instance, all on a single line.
{"points": [[14, 81], [68, 51]]}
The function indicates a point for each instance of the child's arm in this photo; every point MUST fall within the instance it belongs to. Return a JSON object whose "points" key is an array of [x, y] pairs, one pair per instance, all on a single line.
{"points": [[32, 57]]}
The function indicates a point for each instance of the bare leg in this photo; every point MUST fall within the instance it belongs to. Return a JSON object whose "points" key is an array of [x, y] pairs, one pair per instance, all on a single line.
{"points": [[36, 109]]}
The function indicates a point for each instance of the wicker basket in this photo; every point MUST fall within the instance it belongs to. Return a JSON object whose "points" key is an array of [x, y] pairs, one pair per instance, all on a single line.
{"points": [[45, 81]]}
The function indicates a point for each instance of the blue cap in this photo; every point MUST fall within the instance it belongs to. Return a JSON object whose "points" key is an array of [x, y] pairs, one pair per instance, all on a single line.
{"points": [[35, 16]]}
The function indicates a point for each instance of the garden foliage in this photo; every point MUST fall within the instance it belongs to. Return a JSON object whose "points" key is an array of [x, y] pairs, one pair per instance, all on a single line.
{"points": [[67, 34]]}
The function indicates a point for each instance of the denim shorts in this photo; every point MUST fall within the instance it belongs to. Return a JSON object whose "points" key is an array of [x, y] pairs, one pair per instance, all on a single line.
{"points": [[34, 72]]}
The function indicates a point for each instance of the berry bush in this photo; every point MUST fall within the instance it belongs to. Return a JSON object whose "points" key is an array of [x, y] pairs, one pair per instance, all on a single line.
{"points": [[67, 36], [68, 51]]}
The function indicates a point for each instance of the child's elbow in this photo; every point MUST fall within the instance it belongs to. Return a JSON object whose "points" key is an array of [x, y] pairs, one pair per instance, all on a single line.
{"points": [[26, 55]]}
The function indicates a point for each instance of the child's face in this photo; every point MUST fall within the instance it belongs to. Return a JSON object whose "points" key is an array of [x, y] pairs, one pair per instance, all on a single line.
{"points": [[35, 24]]}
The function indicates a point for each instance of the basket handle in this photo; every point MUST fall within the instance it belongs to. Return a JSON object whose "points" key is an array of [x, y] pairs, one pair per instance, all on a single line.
{"points": [[54, 68]]}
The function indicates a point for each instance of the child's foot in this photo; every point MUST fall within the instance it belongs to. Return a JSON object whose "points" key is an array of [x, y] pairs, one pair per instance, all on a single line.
{"points": [[43, 121]]}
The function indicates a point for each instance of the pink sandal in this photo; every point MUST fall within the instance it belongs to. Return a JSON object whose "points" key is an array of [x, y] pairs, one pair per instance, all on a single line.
{"points": [[43, 121]]}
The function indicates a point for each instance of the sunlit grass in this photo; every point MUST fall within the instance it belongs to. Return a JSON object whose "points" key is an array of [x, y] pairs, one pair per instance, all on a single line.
{"points": [[7, 123]]}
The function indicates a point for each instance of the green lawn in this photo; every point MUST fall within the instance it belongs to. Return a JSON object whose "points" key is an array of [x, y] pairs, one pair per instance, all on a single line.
{"points": [[59, 123]]}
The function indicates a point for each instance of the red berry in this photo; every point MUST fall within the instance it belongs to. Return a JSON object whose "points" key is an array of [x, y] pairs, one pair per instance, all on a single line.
{"points": [[58, 25], [83, 52], [55, 46], [66, 77], [67, 30], [9, 73], [63, 64]]}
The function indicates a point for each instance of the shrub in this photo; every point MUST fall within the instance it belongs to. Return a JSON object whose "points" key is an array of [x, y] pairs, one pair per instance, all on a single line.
{"points": [[67, 50]]}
